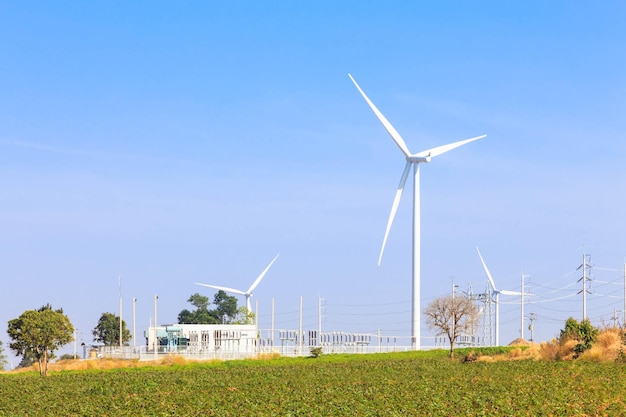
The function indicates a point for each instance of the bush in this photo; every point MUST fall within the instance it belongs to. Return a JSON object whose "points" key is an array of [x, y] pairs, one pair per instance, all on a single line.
{"points": [[316, 352], [470, 357], [583, 333]]}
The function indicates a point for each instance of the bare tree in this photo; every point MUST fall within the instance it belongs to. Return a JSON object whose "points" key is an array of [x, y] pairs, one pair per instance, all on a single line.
{"points": [[451, 316]]}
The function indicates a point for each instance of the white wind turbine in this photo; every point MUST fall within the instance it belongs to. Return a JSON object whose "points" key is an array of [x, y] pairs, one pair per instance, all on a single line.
{"points": [[496, 294], [412, 159], [248, 293]]}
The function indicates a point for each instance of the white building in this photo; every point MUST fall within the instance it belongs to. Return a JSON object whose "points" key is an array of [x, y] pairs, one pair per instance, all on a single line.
{"points": [[203, 340]]}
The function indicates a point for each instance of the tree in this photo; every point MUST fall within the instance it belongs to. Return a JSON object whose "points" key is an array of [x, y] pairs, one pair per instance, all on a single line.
{"points": [[583, 333], [201, 315], [225, 310], [3, 358], [107, 330], [40, 333], [451, 316], [244, 316], [225, 307], [27, 360]]}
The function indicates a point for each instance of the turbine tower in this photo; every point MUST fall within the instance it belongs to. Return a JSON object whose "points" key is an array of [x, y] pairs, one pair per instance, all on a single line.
{"points": [[411, 160], [496, 294], [248, 293]]}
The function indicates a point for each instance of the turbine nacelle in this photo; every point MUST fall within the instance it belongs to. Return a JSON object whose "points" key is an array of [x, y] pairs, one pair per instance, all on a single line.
{"points": [[418, 159]]}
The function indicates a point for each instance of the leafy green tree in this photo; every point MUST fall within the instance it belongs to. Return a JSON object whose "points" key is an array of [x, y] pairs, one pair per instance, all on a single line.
{"points": [[27, 360], [201, 315], [225, 309], [107, 330], [3, 358], [244, 316], [40, 333], [584, 333], [201, 302], [66, 357]]}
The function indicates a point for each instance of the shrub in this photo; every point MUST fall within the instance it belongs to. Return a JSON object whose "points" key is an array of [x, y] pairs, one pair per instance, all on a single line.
{"points": [[583, 333], [316, 352], [470, 357]]}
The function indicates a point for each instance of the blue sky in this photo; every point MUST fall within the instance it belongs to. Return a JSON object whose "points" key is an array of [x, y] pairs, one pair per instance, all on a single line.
{"points": [[172, 143]]}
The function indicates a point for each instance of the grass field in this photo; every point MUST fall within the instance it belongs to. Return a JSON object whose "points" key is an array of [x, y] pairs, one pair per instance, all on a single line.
{"points": [[407, 384]]}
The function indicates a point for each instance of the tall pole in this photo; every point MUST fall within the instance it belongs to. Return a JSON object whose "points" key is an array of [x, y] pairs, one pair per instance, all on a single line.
{"points": [[531, 327], [415, 308], [521, 327], [624, 322], [453, 315], [584, 287], [300, 334], [272, 334], [319, 321], [134, 326], [155, 327], [497, 319], [120, 285]]}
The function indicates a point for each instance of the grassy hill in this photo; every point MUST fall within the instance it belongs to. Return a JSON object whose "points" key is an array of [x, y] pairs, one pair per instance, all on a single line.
{"points": [[415, 383]]}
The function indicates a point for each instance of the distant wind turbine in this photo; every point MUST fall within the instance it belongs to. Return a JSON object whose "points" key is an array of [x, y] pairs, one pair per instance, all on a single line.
{"points": [[247, 293], [496, 293], [411, 160]]}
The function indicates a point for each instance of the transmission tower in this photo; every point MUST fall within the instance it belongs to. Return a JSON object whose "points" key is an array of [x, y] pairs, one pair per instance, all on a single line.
{"points": [[586, 267], [486, 313]]}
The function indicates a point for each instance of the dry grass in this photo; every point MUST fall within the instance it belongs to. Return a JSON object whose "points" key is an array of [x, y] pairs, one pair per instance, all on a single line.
{"points": [[605, 349], [107, 363], [531, 351], [266, 356]]}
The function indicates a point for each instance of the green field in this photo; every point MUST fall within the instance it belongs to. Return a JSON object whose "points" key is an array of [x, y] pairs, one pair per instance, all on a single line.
{"points": [[417, 383]]}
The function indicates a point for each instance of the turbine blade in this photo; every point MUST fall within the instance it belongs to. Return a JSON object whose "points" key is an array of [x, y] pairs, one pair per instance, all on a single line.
{"points": [[390, 129], [394, 208], [507, 292], [445, 148], [260, 277], [493, 285], [234, 291]]}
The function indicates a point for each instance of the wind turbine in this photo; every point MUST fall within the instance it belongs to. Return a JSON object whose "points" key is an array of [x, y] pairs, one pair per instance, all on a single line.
{"points": [[247, 293], [412, 159], [496, 293]]}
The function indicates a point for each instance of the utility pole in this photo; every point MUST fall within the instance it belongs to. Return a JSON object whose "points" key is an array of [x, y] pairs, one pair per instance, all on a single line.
{"points": [[75, 336], [156, 297], [521, 334], [272, 336], [454, 311], [300, 344], [120, 287], [134, 326], [320, 317], [531, 326]]}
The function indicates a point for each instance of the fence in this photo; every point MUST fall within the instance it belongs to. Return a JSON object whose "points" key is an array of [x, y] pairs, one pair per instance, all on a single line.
{"points": [[284, 343]]}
